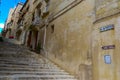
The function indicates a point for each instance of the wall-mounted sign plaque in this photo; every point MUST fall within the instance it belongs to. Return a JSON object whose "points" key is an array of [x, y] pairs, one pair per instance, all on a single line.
{"points": [[106, 28], [107, 59], [108, 47]]}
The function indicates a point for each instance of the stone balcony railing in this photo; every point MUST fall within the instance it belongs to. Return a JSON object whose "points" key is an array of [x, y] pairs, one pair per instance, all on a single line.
{"points": [[38, 22], [19, 27], [20, 24]]}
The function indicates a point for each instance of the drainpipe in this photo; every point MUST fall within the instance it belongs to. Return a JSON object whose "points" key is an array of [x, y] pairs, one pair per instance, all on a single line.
{"points": [[44, 37], [44, 49], [44, 42]]}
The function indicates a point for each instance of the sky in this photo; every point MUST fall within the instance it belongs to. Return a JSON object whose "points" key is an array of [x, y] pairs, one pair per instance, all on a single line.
{"points": [[5, 6]]}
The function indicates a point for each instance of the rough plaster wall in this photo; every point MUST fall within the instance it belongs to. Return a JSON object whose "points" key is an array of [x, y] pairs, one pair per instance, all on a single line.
{"points": [[101, 70], [58, 5], [106, 8], [69, 45], [117, 50], [54, 5], [15, 18]]}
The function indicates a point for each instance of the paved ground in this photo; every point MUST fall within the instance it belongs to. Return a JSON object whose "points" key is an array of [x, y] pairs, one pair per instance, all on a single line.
{"points": [[18, 63]]}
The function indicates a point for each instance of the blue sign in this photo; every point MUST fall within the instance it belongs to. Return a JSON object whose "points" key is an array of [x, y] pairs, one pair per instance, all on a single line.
{"points": [[107, 59], [106, 28]]}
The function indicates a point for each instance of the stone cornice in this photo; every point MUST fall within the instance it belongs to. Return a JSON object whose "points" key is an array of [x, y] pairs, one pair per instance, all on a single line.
{"points": [[64, 10]]}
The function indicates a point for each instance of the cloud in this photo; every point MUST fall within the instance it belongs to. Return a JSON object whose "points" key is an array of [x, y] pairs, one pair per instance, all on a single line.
{"points": [[1, 25], [1, 30]]}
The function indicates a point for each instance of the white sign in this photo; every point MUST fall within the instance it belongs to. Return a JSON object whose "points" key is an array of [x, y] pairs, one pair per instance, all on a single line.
{"points": [[107, 59]]}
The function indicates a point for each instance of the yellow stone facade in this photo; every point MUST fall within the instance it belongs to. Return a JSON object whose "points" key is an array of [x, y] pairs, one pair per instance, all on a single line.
{"points": [[69, 34], [70, 43]]}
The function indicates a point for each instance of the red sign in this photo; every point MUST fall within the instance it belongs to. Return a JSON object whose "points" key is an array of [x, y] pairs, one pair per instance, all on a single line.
{"points": [[108, 47], [11, 37]]}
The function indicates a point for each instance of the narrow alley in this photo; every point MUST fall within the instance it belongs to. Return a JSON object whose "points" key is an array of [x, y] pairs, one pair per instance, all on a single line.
{"points": [[18, 63], [60, 40]]}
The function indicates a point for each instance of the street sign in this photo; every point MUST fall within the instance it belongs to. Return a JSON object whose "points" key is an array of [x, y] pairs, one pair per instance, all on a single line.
{"points": [[106, 28], [108, 47]]}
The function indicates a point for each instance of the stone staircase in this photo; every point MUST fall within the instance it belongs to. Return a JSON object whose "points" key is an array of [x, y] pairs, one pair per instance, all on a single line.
{"points": [[18, 63]]}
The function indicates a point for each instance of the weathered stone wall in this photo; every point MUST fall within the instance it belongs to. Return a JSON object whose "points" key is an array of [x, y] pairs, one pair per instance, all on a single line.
{"points": [[106, 14], [69, 42], [117, 49], [71, 45], [101, 69], [15, 17], [106, 8], [74, 41]]}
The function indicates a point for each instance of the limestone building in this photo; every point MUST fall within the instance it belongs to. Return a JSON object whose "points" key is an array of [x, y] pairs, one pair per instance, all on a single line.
{"points": [[81, 36], [8, 23], [105, 40], [11, 23]]}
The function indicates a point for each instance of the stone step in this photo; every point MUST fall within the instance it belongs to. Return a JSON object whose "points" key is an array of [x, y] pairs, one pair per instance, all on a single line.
{"points": [[17, 58], [19, 67], [27, 72], [32, 73], [30, 61], [18, 63], [38, 76], [11, 47], [24, 60], [30, 64], [30, 69], [26, 64], [7, 50], [34, 78]]}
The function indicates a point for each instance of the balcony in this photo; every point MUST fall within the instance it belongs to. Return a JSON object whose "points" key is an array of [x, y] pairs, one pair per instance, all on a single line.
{"points": [[47, 1], [20, 25], [38, 22], [37, 4], [45, 14], [45, 11], [20, 22], [19, 28]]}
